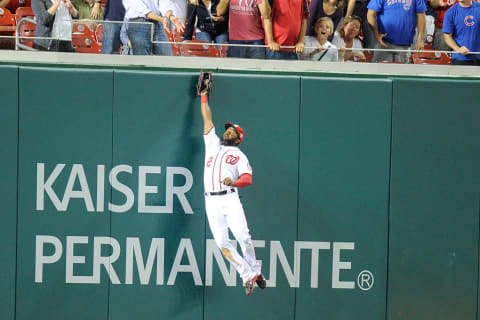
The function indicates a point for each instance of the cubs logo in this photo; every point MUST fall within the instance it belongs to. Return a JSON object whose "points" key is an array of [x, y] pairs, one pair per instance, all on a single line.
{"points": [[408, 5], [231, 159], [209, 162], [469, 21]]}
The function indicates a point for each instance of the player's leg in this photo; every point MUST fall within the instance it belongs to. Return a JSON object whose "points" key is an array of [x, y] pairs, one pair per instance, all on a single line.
{"points": [[238, 225], [219, 228]]}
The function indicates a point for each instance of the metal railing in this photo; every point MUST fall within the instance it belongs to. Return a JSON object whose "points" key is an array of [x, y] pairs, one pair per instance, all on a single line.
{"points": [[19, 45]]}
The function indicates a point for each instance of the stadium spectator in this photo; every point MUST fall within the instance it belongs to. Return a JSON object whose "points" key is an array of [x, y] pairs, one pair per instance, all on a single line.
{"points": [[289, 25], [141, 14], [209, 26], [393, 23], [54, 20], [126, 44], [440, 7], [346, 40], [319, 48], [86, 9], [359, 8], [461, 28], [245, 27], [114, 12], [324, 8], [429, 27]]}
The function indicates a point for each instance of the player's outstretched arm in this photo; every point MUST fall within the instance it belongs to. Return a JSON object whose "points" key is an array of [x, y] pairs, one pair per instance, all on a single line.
{"points": [[206, 113]]}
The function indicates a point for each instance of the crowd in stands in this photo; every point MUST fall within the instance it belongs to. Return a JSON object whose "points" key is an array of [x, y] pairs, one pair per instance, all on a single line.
{"points": [[319, 30]]}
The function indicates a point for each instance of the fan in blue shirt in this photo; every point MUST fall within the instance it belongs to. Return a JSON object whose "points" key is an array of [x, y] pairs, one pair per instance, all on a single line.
{"points": [[461, 28], [397, 19]]}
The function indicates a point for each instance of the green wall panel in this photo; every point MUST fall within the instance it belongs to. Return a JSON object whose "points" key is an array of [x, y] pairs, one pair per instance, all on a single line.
{"points": [[158, 125], [267, 109], [110, 169], [435, 183], [343, 197], [8, 187], [65, 119]]}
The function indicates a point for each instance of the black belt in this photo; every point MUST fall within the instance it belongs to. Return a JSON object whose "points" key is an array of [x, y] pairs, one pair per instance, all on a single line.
{"points": [[220, 193]]}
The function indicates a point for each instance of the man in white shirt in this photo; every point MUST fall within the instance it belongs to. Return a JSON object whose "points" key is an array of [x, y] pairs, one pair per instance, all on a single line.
{"points": [[141, 15]]}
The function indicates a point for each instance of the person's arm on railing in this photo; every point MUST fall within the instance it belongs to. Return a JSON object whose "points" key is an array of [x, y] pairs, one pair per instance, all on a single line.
{"points": [[266, 12], [300, 45], [372, 21], [453, 44]]}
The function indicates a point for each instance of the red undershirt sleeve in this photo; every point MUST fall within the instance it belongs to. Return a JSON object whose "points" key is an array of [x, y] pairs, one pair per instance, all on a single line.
{"points": [[244, 181]]}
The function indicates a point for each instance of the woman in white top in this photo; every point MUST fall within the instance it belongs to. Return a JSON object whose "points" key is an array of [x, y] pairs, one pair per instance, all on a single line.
{"points": [[346, 39], [319, 48]]}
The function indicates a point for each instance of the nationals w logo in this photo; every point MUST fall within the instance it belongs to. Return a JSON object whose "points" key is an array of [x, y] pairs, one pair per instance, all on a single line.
{"points": [[231, 159]]}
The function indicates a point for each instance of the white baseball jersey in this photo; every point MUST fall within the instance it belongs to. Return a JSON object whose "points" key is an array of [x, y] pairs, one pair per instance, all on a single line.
{"points": [[225, 211], [222, 162]]}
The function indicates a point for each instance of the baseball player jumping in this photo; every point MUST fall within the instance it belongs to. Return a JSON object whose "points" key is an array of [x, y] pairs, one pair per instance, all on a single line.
{"points": [[226, 169]]}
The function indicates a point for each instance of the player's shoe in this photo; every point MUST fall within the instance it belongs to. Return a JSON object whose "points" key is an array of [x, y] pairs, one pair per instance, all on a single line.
{"points": [[250, 285], [261, 282]]}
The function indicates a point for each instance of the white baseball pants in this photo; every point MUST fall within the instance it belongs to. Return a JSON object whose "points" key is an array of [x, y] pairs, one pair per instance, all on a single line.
{"points": [[224, 212]]}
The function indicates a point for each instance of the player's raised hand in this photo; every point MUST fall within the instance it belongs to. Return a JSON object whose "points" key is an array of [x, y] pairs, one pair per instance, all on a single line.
{"points": [[228, 182]]}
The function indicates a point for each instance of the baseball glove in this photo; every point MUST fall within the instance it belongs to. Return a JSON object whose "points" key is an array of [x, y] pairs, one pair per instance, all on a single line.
{"points": [[204, 83]]}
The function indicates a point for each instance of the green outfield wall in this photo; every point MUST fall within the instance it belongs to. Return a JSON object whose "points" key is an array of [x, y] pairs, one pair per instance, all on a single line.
{"points": [[365, 203]]}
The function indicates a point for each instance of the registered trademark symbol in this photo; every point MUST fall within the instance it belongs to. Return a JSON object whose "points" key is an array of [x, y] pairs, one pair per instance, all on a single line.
{"points": [[365, 280]]}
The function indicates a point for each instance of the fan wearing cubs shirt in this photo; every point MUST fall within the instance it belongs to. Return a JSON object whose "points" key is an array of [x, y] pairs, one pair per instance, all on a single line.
{"points": [[227, 169], [461, 29]]}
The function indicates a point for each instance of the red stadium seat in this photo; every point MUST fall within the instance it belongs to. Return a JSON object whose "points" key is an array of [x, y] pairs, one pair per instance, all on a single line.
{"points": [[431, 57], [27, 29], [23, 12], [7, 28], [7, 20], [368, 56], [13, 5], [201, 49], [84, 39], [175, 37]]}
